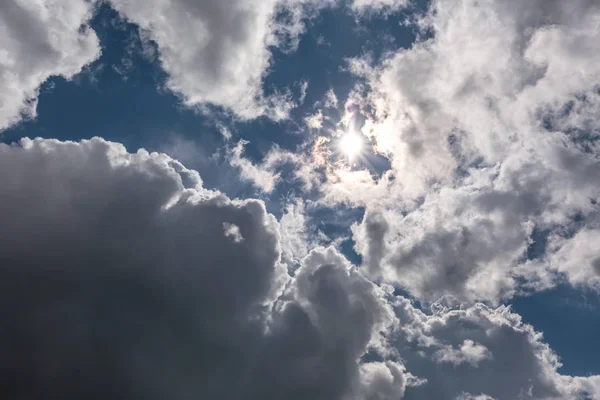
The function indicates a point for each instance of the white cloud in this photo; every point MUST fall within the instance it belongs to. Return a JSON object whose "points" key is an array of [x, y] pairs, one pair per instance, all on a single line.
{"points": [[468, 396], [457, 243], [479, 350], [295, 239], [262, 176], [471, 241], [378, 5], [266, 174], [185, 150], [233, 232], [40, 39], [489, 67], [489, 127], [315, 121], [382, 381], [589, 385], [217, 51], [354, 187], [578, 257], [331, 100], [468, 352]]}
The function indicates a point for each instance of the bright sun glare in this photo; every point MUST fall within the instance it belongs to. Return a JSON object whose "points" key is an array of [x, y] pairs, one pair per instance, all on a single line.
{"points": [[351, 144]]}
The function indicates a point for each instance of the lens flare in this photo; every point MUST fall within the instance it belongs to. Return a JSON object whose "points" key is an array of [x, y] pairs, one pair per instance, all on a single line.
{"points": [[351, 145]]}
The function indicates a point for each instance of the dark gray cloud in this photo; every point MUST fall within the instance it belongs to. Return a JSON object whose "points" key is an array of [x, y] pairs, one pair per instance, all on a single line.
{"points": [[108, 292], [117, 281]]}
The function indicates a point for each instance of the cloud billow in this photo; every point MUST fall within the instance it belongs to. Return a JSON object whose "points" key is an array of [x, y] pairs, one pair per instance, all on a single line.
{"points": [[489, 133], [120, 281], [121, 278]]}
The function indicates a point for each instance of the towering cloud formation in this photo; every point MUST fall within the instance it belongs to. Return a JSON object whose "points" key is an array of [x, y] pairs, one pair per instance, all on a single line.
{"points": [[121, 277]]}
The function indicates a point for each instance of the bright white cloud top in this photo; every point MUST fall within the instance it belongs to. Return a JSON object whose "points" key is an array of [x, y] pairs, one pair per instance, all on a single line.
{"points": [[471, 157]]}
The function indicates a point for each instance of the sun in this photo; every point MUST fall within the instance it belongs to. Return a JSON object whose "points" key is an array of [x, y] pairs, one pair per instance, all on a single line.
{"points": [[351, 144]]}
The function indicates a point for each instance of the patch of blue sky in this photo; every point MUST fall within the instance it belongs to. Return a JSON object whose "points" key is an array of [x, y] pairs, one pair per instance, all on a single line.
{"points": [[568, 318]]}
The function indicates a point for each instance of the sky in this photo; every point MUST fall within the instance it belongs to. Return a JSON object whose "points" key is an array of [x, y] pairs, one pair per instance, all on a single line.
{"points": [[300, 199]]}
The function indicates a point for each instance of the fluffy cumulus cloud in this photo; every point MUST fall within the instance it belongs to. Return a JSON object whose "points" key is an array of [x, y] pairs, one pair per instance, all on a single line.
{"points": [[488, 123], [214, 52], [40, 39], [479, 353], [122, 276], [577, 257], [218, 52], [474, 86]]}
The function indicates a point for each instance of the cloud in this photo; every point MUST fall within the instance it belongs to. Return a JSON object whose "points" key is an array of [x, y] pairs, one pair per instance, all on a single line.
{"points": [[121, 276], [370, 237], [232, 231], [295, 239], [118, 273], [491, 138], [468, 396], [218, 52], [267, 174], [590, 385], [347, 314], [468, 352], [577, 257], [472, 241], [331, 100], [366, 6], [121, 273], [262, 176], [382, 381], [479, 350], [38, 40], [315, 121], [475, 86]]}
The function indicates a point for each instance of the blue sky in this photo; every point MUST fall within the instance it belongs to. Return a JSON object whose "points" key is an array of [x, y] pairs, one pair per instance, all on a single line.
{"points": [[473, 186]]}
